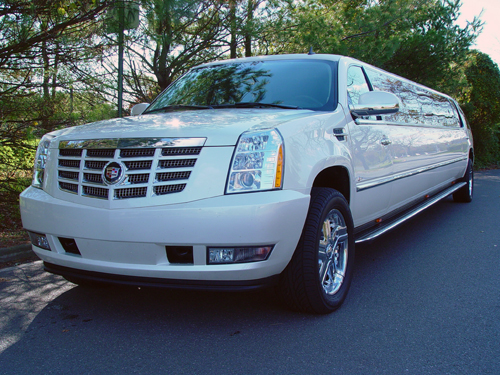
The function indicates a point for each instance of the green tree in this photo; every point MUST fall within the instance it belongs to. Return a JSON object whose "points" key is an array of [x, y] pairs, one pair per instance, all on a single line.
{"points": [[417, 39], [44, 45], [174, 35], [481, 103]]}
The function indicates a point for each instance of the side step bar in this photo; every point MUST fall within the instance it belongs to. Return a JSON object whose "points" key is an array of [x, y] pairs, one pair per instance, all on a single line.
{"points": [[391, 224]]}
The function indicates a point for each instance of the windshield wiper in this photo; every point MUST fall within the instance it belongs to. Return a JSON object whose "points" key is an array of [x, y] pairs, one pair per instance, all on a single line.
{"points": [[255, 105], [178, 107]]}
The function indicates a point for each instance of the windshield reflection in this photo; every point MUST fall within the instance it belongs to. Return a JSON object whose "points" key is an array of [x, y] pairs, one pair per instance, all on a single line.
{"points": [[288, 83]]}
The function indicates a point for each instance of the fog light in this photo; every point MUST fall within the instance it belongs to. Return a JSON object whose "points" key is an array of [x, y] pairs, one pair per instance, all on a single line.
{"points": [[225, 255], [39, 240]]}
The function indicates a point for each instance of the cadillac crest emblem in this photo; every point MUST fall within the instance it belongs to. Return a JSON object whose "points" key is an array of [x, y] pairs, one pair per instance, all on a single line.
{"points": [[112, 173]]}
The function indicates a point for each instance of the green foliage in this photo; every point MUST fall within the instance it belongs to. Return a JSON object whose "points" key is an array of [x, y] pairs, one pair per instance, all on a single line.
{"points": [[175, 36], [481, 104], [15, 164], [45, 50], [415, 39]]}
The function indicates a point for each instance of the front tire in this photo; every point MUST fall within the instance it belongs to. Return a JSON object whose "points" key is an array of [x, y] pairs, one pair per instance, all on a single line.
{"points": [[319, 274]]}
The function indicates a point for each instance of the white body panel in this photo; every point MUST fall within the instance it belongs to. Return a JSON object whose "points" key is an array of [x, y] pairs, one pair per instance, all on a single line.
{"points": [[132, 241]]}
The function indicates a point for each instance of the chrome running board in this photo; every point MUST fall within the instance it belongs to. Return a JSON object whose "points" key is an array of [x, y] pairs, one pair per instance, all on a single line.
{"points": [[392, 223]]}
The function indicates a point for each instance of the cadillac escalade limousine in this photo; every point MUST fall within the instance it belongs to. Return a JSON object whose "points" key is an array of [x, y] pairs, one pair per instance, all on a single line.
{"points": [[247, 173]]}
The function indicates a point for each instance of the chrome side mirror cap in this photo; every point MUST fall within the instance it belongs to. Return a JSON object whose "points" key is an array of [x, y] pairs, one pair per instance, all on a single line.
{"points": [[376, 103], [138, 109]]}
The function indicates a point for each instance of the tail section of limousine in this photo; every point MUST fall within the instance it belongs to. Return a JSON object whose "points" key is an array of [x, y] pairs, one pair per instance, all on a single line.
{"points": [[247, 173]]}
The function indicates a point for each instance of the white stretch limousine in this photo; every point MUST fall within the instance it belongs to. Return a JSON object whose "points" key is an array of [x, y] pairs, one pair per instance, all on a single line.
{"points": [[245, 173]]}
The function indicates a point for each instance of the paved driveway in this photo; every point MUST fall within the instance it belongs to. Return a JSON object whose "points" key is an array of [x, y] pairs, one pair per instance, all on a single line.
{"points": [[425, 300]]}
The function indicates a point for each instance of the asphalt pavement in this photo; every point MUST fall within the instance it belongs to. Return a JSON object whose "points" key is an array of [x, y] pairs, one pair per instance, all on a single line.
{"points": [[425, 299]]}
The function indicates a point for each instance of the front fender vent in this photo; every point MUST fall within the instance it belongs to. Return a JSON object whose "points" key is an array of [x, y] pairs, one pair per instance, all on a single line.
{"points": [[340, 133]]}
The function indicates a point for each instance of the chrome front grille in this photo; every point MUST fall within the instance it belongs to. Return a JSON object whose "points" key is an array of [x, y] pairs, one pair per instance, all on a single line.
{"points": [[92, 164], [127, 168], [93, 177], [69, 175], [97, 153], [182, 163], [181, 151], [93, 191], [141, 164], [137, 152], [69, 163], [167, 189], [168, 176], [68, 187], [131, 193]]}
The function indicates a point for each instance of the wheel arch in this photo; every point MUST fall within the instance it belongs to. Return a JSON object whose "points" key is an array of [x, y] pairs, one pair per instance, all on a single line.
{"points": [[336, 177]]}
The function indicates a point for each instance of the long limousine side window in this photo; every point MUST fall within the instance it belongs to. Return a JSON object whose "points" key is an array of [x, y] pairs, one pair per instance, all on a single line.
{"points": [[419, 106]]}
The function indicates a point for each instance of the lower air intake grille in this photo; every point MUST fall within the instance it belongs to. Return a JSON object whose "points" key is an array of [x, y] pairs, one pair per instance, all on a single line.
{"points": [[69, 245]]}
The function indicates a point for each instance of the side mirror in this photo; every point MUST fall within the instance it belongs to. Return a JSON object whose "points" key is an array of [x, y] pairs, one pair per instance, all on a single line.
{"points": [[138, 109], [375, 103]]}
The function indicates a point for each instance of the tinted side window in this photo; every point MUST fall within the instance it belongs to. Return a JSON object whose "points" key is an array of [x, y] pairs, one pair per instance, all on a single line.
{"points": [[456, 111], [418, 105], [356, 84]]}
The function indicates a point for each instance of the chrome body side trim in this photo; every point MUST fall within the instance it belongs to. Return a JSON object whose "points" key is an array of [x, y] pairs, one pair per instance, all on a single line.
{"points": [[385, 180], [360, 121]]}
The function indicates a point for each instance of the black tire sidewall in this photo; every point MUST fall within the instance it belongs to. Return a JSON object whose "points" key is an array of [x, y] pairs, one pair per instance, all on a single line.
{"points": [[463, 195]]}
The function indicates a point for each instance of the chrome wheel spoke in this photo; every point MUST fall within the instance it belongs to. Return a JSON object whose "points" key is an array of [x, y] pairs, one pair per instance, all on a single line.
{"points": [[325, 271], [332, 252], [340, 236]]}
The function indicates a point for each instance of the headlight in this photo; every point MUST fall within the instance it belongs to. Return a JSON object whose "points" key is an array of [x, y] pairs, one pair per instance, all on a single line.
{"points": [[40, 161], [257, 163]]}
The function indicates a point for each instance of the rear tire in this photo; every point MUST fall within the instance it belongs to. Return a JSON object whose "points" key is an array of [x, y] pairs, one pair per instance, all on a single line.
{"points": [[464, 194], [319, 274]]}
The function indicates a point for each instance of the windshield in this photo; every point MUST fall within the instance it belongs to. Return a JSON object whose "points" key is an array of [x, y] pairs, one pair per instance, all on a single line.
{"points": [[283, 83]]}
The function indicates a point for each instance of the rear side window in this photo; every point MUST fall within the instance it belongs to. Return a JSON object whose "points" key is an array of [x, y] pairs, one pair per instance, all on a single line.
{"points": [[419, 106]]}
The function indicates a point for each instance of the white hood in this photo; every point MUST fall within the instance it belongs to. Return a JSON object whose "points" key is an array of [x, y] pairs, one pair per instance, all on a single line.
{"points": [[221, 127]]}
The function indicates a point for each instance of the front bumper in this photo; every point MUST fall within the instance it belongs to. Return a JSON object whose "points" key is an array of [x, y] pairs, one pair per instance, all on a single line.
{"points": [[130, 242]]}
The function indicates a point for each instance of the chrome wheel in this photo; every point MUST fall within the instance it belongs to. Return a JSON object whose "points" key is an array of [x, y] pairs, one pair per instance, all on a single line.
{"points": [[333, 252], [471, 181]]}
